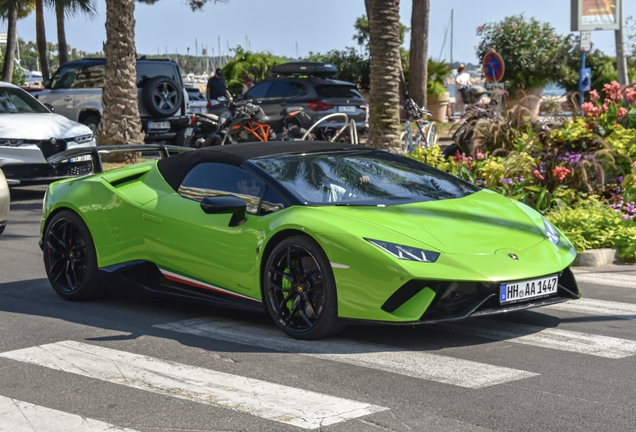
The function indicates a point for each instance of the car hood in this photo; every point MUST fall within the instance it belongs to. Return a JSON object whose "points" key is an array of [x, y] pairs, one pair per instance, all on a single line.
{"points": [[39, 126], [480, 223]]}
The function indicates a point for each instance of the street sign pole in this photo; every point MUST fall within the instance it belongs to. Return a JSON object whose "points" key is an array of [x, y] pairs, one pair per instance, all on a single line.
{"points": [[585, 74]]}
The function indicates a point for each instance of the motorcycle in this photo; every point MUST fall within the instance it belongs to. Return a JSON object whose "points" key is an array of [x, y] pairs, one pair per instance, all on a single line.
{"points": [[247, 123]]}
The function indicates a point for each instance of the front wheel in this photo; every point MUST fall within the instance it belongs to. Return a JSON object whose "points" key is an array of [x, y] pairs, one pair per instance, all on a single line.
{"points": [[70, 260], [299, 289]]}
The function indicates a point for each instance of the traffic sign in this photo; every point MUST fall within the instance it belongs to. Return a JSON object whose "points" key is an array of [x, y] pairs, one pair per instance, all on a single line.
{"points": [[494, 67], [586, 41]]}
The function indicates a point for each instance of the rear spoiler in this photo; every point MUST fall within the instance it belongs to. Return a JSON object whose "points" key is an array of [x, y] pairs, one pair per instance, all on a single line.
{"points": [[85, 154]]}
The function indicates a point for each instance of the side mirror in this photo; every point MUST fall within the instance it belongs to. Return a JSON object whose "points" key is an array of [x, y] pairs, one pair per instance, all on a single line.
{"points": [[225, 204], [49, 107]]}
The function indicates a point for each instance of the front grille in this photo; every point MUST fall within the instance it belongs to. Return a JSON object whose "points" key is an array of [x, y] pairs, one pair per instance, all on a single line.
{"points": [[49, 149]]}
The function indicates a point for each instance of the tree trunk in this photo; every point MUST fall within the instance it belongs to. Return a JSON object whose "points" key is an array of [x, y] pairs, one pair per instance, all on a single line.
{"points": [[61, 34], [120, 122], [418, 63], [384, 47], [40, 36], [9, 55]]}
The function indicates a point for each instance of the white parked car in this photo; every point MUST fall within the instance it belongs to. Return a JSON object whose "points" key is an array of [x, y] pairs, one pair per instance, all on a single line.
{"points": [[198, 102], [4, 202], [30, 133]]}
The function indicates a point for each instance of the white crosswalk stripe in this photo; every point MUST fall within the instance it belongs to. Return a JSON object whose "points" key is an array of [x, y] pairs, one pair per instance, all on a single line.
{"points": [[247, 395], [604, 308], [18, 416], [563, 340], [609, 279], [428, 366]]}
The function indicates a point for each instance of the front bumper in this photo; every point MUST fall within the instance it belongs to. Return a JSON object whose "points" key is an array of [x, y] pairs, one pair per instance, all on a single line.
{"points": [[454, 301]]}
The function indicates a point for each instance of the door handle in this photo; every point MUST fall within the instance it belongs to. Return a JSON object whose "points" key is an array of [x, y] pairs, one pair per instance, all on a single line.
{"points": [[153, 219]]}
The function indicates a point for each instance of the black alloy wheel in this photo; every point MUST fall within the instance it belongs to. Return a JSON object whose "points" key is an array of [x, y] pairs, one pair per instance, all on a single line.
{"points": [[299, 291], [69, 257], [162, 96]]}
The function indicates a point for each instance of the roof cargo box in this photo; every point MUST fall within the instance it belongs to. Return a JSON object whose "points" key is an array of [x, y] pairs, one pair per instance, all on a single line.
{"points": [[316, 69]]}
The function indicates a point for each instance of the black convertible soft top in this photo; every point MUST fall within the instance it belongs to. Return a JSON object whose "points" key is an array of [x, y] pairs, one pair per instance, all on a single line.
{"points": [[175, 168]]}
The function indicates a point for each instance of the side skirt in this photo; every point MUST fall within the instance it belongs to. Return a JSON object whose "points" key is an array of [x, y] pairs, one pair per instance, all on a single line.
{"points": [[145, 276]]}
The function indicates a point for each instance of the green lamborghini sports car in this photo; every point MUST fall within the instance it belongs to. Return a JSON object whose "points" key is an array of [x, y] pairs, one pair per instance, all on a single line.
{"points": [[317, 234]]}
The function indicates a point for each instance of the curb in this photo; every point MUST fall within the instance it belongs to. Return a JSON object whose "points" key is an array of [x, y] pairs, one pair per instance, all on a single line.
{"points": [[595, 258]]}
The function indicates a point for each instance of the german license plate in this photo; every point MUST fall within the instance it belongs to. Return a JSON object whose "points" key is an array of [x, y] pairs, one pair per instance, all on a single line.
{"points": [[513, 292], [158, 125], [347, 109], [189, 132], [82, 158]]}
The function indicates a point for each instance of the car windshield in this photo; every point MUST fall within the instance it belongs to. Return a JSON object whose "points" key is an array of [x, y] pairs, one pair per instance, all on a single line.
{"points": [[17, 101], [365, 177]]}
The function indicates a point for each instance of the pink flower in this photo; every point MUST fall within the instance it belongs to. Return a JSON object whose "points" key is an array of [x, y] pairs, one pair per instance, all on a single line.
{"points": [[515, 26], [594, 96], [560, 173], [517, 38], [481, 28], [479, 155], [622, 112], [630, 94], [553, 39], [538, 175], [613, 91], [534, 41], [590, 109]]}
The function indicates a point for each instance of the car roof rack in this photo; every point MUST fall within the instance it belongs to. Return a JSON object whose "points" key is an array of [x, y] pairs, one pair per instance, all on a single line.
{"points": [[312, 69]]}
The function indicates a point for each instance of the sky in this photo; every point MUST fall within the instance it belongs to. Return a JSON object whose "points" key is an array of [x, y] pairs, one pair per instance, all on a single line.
{"points": [[293, 28]]}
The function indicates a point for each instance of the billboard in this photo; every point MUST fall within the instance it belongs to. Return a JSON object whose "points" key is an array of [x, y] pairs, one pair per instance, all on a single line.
{"points": [[596, 15]]}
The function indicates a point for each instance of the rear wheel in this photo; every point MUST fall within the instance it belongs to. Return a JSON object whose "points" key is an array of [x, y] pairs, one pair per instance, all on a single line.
{"points": [[92, 122], [70, 260], [300, 291]]}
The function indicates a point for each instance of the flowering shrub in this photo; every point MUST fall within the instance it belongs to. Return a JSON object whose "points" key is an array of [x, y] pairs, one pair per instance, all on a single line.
{"points": [[618, 107], [531, 49]]}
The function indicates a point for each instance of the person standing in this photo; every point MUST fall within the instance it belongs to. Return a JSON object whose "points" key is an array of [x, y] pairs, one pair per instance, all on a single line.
{"points": [[462, 84], [248, 83], [216, 88]]}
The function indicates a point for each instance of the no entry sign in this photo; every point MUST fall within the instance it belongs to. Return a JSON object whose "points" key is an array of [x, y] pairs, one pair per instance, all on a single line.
{"points": [[493, 66]]}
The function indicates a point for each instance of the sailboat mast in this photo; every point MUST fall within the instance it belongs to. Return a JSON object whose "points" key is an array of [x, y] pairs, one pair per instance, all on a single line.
{"points": [[451, 41]]}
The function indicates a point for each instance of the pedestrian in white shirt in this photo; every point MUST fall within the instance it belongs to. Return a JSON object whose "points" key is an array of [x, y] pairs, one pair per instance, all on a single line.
{"points": [[462, 84]]}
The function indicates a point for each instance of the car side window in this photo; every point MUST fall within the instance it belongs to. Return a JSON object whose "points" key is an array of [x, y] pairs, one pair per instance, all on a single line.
{"points": [[279, 90], [296, 89], [65, 77], [272, 202], [216, 179], [90, 77], [259, 91]]}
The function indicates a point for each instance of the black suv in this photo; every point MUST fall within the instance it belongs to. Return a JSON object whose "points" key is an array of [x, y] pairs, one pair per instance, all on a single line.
{"points": [[75, 91], [311, 85]]}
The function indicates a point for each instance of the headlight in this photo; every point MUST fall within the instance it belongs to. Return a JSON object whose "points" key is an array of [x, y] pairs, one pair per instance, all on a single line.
{"points": [[83, 139], [550, 232], [11, 143], [406, 252]]}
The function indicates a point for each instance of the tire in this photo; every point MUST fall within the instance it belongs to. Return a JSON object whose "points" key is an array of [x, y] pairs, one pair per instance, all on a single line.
{"points": [[70, 260], [162, 96], [92, 122], [299, 289], [431, 135], [450, 151], [2, 227]]}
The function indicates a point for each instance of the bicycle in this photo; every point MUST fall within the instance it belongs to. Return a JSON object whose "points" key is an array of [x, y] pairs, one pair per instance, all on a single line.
{"points": [[426, 135]]}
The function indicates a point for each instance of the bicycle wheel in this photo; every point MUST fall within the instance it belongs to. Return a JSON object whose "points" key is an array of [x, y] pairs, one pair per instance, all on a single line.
{"points": [[431, 134], [407, 138]]}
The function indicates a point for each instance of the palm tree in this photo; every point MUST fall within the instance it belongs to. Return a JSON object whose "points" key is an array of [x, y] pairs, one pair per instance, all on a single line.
{"points": [[40, 38], [386, 71], [12, 10], [418, 64], [120, 120], [66, 9]]}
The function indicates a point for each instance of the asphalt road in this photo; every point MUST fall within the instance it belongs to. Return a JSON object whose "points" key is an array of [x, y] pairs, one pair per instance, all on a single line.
{"points": [[137, 363]]}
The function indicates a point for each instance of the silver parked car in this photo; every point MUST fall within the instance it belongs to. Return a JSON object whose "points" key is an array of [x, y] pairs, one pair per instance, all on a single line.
{"points": [[4, 201], [30, 133]]}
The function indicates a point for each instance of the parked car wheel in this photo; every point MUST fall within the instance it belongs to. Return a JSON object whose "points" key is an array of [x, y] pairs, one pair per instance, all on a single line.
{"points": [[92, 122], [162, 96], [300, 290], [70, 260]]}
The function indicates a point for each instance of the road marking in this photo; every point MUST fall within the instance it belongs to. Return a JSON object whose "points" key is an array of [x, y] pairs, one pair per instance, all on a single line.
{"points": [[604, 308], [18, 416], [416, 364], [247, 395], [609, 279], [562, 340]]}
